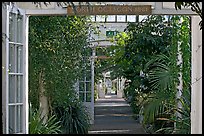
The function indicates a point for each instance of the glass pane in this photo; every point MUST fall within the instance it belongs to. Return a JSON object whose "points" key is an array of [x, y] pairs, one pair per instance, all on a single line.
{"points": [[92, 18], [166, 18], [88, 86], [131, 18], [110, 18], [11, 58], [12, 22], [12, 87], [19, 92], [81, 78], [81, 96], [19, 58], [88, 75], [141, 17], [88, 97], [19, 118], [121, 18], [81, 86], [100, 18], [19, 28], [11, 119], [88, 91]]}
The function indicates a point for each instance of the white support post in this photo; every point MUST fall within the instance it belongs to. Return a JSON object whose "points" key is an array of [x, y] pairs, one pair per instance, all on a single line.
{"points": [[7, 73], [92, 83], [76, 87], [26, 75], [180, 84], [196, 77], [4, 68], [104, 83], [117, 85]]}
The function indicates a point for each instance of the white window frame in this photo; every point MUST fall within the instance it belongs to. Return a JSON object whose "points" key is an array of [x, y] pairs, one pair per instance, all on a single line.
{"points": [[130, 18], [85, 82], [111, 18], [121, 18], [23, 74]]}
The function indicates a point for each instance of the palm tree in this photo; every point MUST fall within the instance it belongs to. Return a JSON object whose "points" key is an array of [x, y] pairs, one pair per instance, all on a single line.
{"points": [[159, 106], [158, 102]]}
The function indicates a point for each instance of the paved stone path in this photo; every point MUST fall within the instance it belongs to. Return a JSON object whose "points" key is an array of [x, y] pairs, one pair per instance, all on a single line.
{"points": [[114, 116]]}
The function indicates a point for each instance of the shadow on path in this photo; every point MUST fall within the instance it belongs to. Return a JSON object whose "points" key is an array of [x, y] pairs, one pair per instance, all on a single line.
{"points": [[114, 116]]}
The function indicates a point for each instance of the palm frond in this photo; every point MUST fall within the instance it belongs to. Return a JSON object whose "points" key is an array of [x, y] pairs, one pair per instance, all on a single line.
{"points": [[38, 126], [156, 106]]}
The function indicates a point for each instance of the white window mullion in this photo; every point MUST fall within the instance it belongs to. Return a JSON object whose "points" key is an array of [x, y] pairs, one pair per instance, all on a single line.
{"points": [[15, 43], [18, 74], [25, 115], [18, 119], [15, 118], [13, 104], [15, 40], [15, 70], [85, 89], [19, 59], [15, 88], [7, 73]]}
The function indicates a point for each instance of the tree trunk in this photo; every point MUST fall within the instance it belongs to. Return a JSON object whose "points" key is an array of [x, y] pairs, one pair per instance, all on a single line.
{"points": [[44, 107]]}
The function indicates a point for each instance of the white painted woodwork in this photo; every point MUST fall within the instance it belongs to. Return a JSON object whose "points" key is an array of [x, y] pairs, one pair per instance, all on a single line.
{"points": [[163, 8], [26, 74], [92, 85], [101, 93], [21, 107], [3, 81], [196, 77]]}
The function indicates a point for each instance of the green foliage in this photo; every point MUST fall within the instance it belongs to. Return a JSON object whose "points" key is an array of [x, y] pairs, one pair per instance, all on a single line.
{"points": [[160, 78], [74, 118], [135, 47], [160, 75], [148, 57], [56, 49], [59, 51], [195, 7], [183, 123], [142, 40], [37, 126]]}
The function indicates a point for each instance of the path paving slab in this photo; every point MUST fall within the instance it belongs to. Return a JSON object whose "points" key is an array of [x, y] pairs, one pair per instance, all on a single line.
{"points": [[114, 116]]}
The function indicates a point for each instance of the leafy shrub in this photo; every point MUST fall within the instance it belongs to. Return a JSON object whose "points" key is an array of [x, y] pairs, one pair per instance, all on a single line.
{"points": [[74, 118], [37, 126]]}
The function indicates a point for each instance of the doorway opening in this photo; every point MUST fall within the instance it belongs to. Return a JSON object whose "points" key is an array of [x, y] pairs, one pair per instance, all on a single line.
{"points": [[10, 74]]}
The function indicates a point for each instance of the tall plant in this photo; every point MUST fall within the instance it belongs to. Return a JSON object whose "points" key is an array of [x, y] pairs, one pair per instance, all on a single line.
{"points": [[140, 42], [56, 51], [38, 126], [157, 78], [161, 98], [149, 57], [56, 56], [74, 117]]}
